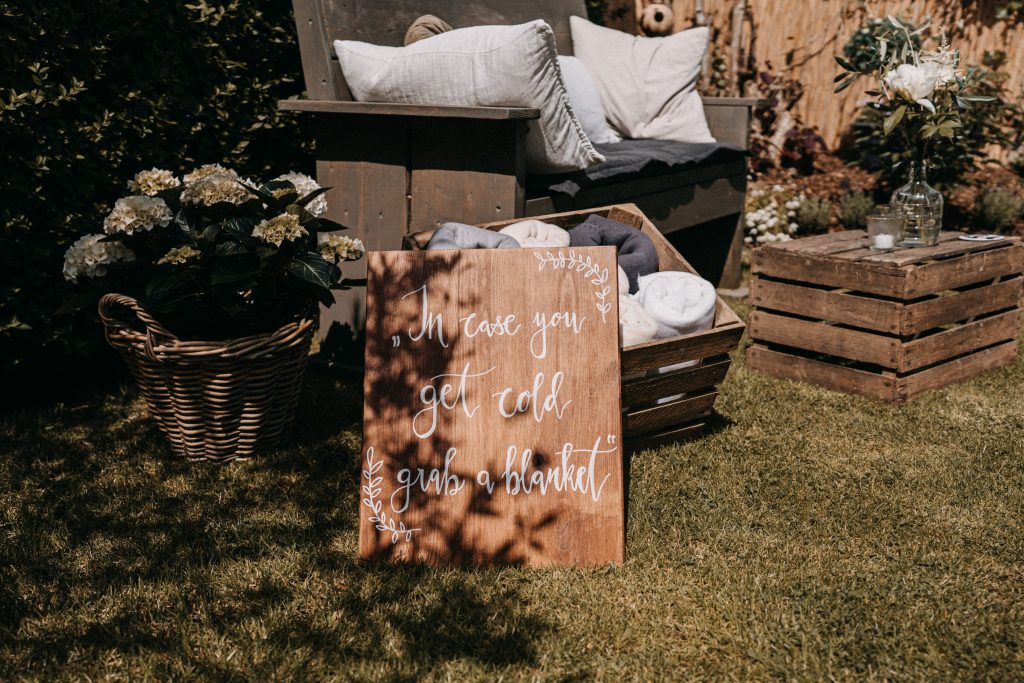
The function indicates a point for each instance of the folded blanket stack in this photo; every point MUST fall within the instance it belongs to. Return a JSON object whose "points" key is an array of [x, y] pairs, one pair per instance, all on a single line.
{"points": [[534, 233], [637, 255], [462, 236]]}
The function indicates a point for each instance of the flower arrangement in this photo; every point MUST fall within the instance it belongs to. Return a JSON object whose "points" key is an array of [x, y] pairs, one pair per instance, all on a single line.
{"points": [[921, 93], [214, 255]]}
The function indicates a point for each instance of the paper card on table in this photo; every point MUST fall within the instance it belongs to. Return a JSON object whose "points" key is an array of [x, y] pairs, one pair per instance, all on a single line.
{"points": [[492, 426]]}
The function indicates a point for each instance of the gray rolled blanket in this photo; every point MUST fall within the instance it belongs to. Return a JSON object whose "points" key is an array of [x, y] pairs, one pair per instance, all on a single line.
{"points": [[637, 255], [462, 236]]}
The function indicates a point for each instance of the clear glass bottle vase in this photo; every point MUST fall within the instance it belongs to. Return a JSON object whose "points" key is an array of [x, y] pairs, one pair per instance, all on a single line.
{"points": [[921, 205]]}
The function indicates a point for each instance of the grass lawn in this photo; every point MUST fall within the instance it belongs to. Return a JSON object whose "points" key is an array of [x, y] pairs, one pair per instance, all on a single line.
{"points": [[809, 536]]}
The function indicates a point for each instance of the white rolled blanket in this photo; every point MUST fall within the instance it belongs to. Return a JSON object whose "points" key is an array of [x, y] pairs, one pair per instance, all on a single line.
{"points": [[623, 281], [636, 325], [534, 233], [681, 303]]}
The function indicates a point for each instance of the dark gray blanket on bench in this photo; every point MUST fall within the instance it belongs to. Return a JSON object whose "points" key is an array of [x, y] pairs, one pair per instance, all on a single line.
{"points": [[634, 159]]}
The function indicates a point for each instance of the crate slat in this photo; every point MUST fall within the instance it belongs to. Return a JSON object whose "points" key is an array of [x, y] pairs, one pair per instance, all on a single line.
{"points": [[956, 272], [959, 369], [874, 279], [826, 304], [958, 340], [829, 375], [925, 315], [657, 418], [649, 388], [662, 352], [658, 439], [824, 338]]}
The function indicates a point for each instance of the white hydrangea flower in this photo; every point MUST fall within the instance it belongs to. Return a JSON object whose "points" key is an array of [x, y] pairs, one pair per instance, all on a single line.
{"points": [[304, 185], [279, 229], [340, 248], [207, 170], [179, 255], [152, 181], [88, 256], [217, 187], [137, 213]]}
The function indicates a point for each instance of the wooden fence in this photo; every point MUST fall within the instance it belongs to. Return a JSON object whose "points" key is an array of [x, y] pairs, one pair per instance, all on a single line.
{"points": [[800, 37]]}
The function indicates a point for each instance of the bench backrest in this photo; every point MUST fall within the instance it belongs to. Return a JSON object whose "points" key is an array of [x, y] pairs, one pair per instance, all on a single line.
{"points": [[321, 22]]}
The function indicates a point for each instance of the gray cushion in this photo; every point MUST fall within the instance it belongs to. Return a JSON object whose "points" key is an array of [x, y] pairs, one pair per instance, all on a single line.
{"points": [[635, 159]]}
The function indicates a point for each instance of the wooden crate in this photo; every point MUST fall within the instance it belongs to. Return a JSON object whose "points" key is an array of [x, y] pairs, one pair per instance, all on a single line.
{"points": [[645, 422], [886, 325]]}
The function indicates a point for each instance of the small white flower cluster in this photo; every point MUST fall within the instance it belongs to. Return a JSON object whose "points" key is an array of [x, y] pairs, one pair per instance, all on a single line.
{"points": [[770, 215], [304, 185], [341, 248], [135, 214], [179, 255], [279, 228], [152, 181], [89, 255]]}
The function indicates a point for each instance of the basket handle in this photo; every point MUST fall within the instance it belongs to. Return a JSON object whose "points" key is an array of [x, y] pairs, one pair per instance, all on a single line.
{"points": [[112, 313]]}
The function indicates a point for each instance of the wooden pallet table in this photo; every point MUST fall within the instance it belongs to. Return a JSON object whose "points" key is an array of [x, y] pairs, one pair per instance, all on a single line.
{"points": [[886, 325]]}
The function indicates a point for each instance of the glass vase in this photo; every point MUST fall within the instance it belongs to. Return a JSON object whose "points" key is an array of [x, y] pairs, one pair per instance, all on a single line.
{"points": [[921, 205]]}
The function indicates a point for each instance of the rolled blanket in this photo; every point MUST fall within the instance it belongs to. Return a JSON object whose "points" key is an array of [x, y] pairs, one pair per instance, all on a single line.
{"points": [[425, 27], [681, 303], [636, 325], [623, 280], [637, 255], [534, 233], [462, 236]]}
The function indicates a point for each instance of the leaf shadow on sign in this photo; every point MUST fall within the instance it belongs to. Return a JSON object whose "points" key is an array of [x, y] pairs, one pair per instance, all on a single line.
{"points": [[450, 531]]}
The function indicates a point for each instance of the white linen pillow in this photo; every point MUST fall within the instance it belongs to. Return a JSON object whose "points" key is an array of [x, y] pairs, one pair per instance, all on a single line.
{"points": [[482, 66], [647, 84], [586, 101]]}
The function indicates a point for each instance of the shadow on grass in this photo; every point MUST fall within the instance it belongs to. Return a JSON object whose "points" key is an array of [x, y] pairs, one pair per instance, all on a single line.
{"points": [[110, 543]]}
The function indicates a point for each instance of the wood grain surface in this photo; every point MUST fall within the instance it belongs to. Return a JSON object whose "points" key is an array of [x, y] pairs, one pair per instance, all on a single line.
{"points": [[490, 439]]}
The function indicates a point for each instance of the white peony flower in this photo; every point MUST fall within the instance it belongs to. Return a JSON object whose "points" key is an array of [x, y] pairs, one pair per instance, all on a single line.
{"points": [[945, 63], [304, 185], [914, 83], [179, 255], [152, 181], [88, 256], [136, 213], [340, 248], [278, 229]]}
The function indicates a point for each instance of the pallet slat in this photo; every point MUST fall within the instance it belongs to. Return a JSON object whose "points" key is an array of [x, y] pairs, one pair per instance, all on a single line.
{"points": [[826, 304], [649, 388], [669, 415], [824, 338], [954, 342]]}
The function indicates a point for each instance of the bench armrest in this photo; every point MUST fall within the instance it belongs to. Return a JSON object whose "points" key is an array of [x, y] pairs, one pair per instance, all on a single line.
{"points": [[387, 109], [729, 118]]}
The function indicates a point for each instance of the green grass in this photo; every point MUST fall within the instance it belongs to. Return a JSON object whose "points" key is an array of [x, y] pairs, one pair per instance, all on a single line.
{"points": [[809, 536]]}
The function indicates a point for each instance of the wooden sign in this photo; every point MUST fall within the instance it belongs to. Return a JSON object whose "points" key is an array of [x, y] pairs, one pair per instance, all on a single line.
{"points": [[492, 426]]}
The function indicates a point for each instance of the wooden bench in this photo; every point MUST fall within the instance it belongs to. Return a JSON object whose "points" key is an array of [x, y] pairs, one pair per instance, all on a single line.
{"points": [[394, 169]]}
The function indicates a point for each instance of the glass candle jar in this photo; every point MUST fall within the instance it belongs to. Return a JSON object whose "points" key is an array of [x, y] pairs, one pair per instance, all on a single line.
{"points": [[884, 230]]}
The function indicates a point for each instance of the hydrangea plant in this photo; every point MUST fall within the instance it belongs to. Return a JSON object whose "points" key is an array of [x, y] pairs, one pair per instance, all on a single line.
{"points": [[213, 255]]}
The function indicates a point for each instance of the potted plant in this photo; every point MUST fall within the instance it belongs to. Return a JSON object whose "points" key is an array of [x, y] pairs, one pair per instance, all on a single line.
{"points": [[921, 94], [217, 279]]}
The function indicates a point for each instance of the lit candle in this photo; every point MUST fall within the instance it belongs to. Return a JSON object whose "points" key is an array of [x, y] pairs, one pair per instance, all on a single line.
{"points": [[884, 241]]}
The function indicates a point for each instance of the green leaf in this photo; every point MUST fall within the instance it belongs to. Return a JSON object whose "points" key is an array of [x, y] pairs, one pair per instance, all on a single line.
{"points": [[893, 119], [845, 64], [312, 268], [302, 201], [239, 228], [846, 84]]}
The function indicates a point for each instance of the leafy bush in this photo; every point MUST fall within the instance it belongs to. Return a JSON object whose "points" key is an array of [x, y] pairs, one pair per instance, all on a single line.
{"points": [[998, 210], [813, 215], [854, 209], [93, 93], [800, 148]]}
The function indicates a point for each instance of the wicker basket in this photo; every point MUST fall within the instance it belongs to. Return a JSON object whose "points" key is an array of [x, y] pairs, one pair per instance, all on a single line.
{"points": [[218, 401]]}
